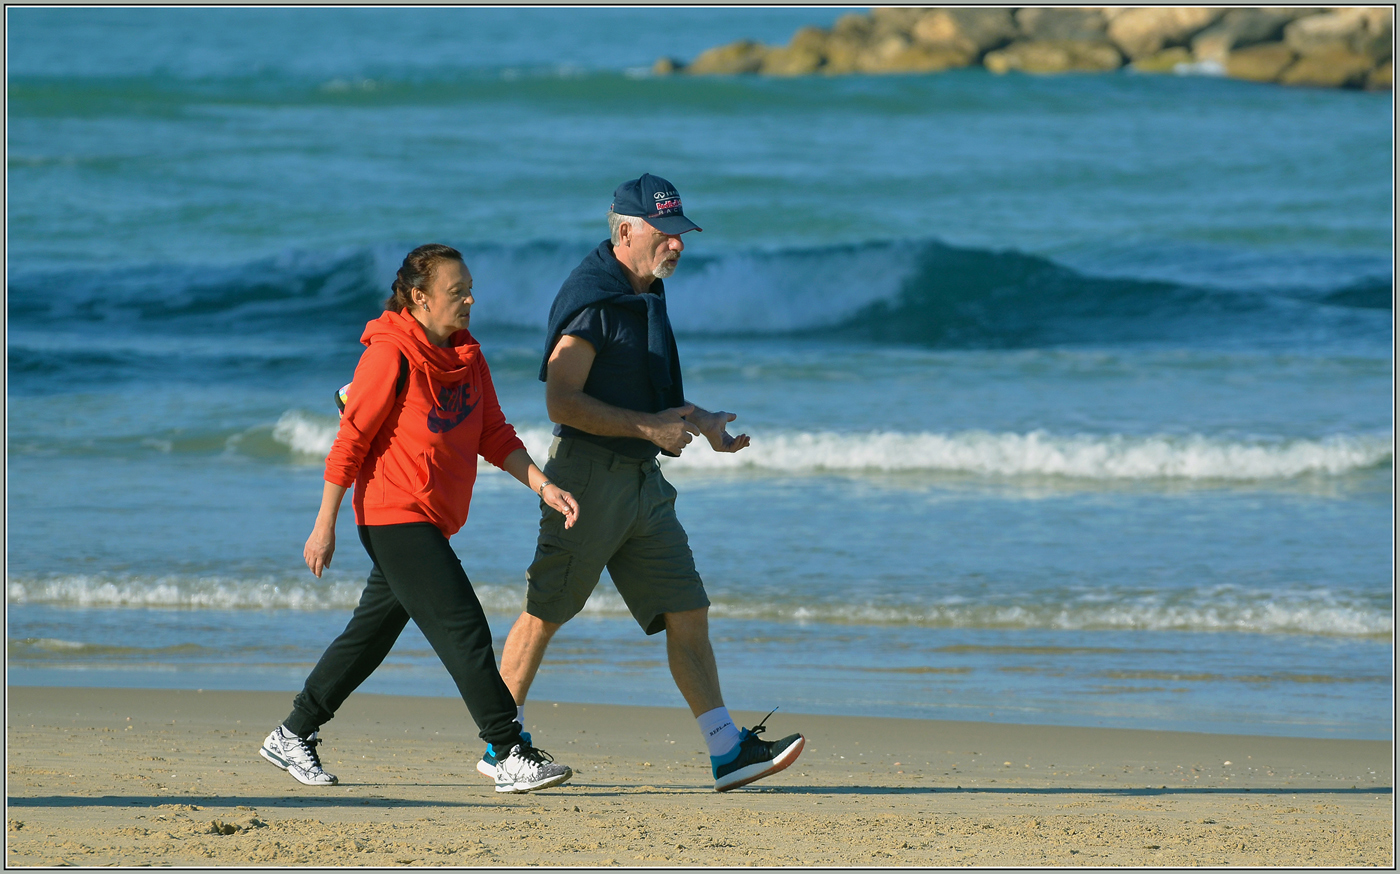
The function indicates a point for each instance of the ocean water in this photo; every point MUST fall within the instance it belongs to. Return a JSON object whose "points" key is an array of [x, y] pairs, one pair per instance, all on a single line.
{"points": [[1070, 397]]}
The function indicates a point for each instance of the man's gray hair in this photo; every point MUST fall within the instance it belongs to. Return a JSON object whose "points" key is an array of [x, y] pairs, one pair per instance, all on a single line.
{"points": [[616, 221]]}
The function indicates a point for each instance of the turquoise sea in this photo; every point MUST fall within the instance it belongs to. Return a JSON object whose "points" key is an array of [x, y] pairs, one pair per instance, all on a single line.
{"points": [[1070, 397]]}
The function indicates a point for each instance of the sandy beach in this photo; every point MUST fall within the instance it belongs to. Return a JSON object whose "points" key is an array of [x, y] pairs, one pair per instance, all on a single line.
{"points": [[137, 777]]}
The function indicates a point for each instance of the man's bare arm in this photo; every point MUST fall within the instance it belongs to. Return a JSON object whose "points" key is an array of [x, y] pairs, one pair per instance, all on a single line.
{"points": [[569, 365]]}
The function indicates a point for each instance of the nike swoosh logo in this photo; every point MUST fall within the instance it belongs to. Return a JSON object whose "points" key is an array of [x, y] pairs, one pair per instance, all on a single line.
{"points": [[438, 425]]}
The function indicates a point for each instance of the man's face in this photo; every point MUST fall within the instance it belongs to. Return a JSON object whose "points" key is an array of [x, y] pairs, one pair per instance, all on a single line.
{"points": [[658, 252]]}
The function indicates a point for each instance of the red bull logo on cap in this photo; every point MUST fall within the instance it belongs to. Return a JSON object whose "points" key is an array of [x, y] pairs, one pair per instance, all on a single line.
{"points": [[668, 206]]}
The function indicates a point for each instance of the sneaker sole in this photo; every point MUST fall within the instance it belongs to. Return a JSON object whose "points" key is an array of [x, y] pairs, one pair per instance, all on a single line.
{"points": [[283, 764], [531, 787], [745, 776]]}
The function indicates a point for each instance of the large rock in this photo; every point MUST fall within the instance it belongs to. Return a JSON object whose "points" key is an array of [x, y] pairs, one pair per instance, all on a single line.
{"points": [[811, 38], [1334, 67], [744, 56], [1050, 23], [1376, 40], [1054, 56], [1360, 31], [918, 59], [973, 32], [853, 25], [1165, 61], [900, 19], [843, 54], [897, 53], [1237, 29], [1379, 80], [1260, 63], [791, 60], [1146, 31]]}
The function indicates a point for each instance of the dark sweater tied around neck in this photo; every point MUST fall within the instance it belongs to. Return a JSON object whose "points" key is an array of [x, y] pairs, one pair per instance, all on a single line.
{"points": [[600, 279]]}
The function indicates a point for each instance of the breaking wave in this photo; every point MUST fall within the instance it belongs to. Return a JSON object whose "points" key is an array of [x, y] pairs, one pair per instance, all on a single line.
{"points": [[915, 292]]}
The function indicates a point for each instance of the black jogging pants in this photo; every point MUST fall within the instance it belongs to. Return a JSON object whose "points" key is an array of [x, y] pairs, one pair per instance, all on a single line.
{"points": [[417, 576]]}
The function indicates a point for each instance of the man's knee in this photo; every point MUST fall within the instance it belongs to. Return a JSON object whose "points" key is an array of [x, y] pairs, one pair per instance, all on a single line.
{"points": [[534, 628], [687, 625]]}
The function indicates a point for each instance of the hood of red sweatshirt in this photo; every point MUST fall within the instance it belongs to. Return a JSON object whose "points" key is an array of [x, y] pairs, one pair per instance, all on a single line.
{"points": [[444, 365]]}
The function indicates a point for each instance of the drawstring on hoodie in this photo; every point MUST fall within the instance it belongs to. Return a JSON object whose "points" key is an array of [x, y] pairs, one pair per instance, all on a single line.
{"points": [[433, 392], [436, 362]]}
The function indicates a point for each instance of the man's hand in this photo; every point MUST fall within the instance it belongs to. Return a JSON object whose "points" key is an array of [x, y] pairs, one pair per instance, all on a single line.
{"points": [[711, 425], [670, 430]]}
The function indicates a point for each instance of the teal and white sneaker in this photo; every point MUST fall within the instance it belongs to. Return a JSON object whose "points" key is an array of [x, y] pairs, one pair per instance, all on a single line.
{"points": [[487, 766], [754, 759], [527, 769]]}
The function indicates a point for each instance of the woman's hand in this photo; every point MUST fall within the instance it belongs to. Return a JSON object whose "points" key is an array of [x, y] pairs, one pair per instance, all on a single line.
{"points": [[320, 547], [561, 501], [519, 465]]}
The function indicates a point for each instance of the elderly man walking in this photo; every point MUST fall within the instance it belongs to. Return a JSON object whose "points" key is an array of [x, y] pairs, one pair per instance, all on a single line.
{"points": [[613, 386]]}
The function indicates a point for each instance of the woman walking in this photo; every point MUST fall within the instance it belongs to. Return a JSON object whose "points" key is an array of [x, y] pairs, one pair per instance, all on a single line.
{"points": [[422, 409]]}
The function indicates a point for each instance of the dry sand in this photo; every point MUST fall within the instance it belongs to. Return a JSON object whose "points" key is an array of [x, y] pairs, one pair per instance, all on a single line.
{"points": [[135, 777]]}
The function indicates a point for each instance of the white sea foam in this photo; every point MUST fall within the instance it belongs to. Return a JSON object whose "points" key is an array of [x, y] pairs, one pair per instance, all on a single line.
{"points": [[55, 644], [1037, 453], [1040, 453], [1313, 617], [213, 593], [1199, 68], [1319, 612], [223, 593], [305, 433]]}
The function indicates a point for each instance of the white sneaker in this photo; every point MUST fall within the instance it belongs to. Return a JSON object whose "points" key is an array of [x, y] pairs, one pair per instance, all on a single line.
{"points": [[527, 769], [296, 756], [486, 766]]}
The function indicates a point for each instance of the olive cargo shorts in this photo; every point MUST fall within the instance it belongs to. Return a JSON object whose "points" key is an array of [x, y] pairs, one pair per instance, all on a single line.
{"points": [[626, 523]]}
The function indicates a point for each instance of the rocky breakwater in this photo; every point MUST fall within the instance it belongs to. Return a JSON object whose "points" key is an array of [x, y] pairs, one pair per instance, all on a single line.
{"points": [[1331, 48]]}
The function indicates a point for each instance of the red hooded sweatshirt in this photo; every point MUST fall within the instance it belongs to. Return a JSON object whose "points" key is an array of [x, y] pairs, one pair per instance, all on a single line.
{"points": [[412, 457]]}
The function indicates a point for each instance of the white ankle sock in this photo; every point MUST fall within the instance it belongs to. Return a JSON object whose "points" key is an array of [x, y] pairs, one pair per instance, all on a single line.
{"points": [[520, 715], [718, 730]]}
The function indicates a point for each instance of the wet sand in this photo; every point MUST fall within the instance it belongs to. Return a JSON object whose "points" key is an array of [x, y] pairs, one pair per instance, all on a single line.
{"points": [[138, 777]]}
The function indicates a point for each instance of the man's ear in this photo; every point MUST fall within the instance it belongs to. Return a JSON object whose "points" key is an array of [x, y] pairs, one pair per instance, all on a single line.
{"points": [[624, 235]]}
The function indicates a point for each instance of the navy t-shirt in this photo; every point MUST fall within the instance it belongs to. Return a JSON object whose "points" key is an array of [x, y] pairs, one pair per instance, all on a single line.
{"points": [[621, 374]]}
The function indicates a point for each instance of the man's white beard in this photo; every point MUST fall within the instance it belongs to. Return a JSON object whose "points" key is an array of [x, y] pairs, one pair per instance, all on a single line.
{"points": [[665, 270]]}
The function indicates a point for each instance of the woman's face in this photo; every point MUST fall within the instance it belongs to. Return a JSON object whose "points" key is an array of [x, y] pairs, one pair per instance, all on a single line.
{"points": [[446, 305]]}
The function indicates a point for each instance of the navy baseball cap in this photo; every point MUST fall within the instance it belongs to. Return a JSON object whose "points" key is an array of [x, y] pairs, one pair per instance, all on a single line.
{"points": [[654, 199]]}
